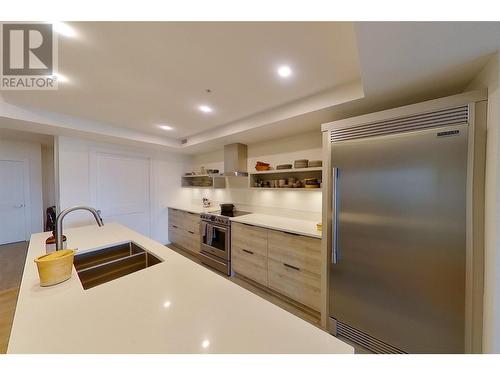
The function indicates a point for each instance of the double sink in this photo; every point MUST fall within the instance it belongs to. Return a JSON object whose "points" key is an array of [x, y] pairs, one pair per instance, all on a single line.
{"points": [[110, 263]]}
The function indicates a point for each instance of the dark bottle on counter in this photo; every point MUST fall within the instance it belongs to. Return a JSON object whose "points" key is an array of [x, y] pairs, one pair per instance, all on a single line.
{"points": [[50, 243]]}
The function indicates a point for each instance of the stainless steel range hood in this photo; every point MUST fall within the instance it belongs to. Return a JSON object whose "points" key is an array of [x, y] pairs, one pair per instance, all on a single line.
{"points": [[235, 160]]}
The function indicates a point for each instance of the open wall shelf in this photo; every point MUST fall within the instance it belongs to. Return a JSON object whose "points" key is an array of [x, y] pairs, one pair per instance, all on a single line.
{"points": [[204, 181], [285, 174]]}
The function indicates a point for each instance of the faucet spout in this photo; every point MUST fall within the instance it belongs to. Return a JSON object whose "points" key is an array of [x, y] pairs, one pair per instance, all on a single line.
{"points": [[60, 218]]}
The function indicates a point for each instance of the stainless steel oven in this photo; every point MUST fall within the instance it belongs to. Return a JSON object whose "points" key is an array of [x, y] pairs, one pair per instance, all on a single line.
{"points": [[215, 239], [215, 236]]}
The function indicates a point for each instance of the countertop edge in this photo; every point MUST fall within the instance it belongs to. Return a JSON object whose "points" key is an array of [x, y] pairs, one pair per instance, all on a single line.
{"points": [[278, 227], [247, 219]]}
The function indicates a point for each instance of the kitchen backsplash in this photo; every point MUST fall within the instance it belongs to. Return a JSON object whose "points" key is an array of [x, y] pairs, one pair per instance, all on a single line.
{"points": [[292, 203]]}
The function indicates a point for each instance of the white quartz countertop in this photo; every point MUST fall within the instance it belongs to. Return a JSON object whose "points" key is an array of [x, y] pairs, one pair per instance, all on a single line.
{"points": [[193, 208], [303, 227], [176, 306]]}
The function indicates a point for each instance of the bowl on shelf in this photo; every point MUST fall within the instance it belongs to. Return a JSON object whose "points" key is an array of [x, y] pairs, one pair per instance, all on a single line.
{"points": [[311, 183], [315, 163], [301, 163], [261, 168]]}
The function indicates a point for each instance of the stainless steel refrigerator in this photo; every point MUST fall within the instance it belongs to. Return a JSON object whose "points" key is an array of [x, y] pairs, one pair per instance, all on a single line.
{"points": [[398, 246]]}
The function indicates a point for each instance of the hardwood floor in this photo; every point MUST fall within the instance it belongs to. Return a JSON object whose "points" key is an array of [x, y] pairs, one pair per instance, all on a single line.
{"points": [[8, 299], [12, 258], [285, 303]]}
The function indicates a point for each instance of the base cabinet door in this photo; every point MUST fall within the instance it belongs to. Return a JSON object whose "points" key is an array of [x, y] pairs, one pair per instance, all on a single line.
{"points": [[300, 251], [184, 230], [192, 241], [249, 252], [249, 264], [294, 267], [298, 284]]}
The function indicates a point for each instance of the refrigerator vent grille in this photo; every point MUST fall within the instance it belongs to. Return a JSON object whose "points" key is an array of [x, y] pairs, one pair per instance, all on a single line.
{"points": [[444, 117], [361, 338]]}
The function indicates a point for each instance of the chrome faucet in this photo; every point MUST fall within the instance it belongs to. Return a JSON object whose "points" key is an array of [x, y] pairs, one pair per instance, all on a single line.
{"points": [[60, 217]]}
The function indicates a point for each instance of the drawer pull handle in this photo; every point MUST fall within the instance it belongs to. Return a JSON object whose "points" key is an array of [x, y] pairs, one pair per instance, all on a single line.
{"points": [[248, 251], [292, 267], [175, 226], [190, 232]]}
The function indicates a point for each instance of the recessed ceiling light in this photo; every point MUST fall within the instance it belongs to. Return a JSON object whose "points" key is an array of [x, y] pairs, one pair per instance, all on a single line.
{"points": [[205, 108], [205, 344], [60, 77], [167, 304], [165, 127], [284, 71], [64, 29]]}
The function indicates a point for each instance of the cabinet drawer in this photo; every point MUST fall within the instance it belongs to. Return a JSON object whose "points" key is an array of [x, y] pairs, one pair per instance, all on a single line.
{"points": [[192, 242], [175, 234], [296, 283], [175, 217], [298, 251], [184, 220], [250, 238], [182, 238], [191, 222], [250, 264]]}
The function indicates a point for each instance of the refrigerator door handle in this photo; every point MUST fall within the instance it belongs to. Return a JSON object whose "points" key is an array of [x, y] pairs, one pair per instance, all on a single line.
{"points": [[335, 201]]}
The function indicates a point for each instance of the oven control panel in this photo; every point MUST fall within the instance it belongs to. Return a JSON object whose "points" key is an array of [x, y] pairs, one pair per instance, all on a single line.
{"points": [[215, 219]]}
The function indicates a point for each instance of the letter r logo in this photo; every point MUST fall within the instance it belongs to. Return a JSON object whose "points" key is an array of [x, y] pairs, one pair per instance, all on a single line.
{"points": [[27, 49]]}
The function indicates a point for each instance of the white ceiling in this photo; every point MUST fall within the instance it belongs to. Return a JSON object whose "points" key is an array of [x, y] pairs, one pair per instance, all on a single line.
{"points": [[126, 77], [398, 57], [136, 74]]}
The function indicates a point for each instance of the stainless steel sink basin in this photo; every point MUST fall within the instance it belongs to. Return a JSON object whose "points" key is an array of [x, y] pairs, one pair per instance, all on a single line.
{"points": [[110, 263]]}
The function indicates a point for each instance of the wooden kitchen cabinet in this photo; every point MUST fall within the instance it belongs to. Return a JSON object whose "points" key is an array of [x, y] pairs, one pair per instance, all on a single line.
{"points": [[299, 251], [295, 282], [287, 263], [184, 229], [249, 252], [294, 267]]}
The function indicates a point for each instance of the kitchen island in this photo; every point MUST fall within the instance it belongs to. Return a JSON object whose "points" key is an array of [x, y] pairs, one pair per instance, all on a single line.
{"points": [[176, 306]]}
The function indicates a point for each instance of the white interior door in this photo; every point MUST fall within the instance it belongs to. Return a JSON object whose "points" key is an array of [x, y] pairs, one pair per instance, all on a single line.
{"points": [[12, 202], [122, 190]]}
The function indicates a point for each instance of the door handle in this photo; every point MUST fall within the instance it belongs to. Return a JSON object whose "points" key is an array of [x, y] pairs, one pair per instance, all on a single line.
{"points": [[292, 267], [19, 206], [247, 251], [335, 209]]}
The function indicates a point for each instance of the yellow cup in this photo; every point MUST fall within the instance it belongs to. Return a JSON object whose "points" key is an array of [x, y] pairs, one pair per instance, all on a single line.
{"points": [[56, 267]]}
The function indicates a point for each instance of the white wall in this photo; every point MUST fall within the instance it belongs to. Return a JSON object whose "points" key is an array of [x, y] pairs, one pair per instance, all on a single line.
{"points": [[489, 78], [30, 153], [304, 204], [73, 174], [48, 178]]}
